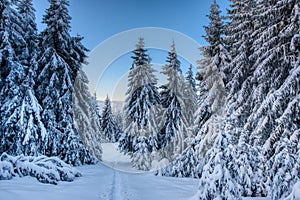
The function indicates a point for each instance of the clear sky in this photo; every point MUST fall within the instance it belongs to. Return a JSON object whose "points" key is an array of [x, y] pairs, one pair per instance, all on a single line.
{"points": [[99, 20]]}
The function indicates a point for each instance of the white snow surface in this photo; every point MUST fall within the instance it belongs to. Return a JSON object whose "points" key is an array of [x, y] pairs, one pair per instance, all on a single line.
{"points": [[115, 159], [101, 182], [104, 183]]}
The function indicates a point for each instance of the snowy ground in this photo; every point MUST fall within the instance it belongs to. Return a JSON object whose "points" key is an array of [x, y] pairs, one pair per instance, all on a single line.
{"points": [[103, 182], [100, 182], [114, 159]]}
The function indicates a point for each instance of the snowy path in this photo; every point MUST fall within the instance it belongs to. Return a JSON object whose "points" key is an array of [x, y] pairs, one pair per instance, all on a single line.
{"points": [[104, 183], [129, 186], [118, 188], [101, 182]]}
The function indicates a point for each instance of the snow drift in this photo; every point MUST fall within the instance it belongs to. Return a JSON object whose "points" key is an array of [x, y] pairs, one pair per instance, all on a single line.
{"points": [[46, 169]]}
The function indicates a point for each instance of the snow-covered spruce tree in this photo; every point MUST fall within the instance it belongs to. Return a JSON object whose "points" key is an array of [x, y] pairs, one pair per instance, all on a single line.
{"points": [[29, 27], [96, 125], [142, 149], [209, 115], [86, 111], [86, 104], [190, 78], [109, 126], [239, 71], [219, 175], [190, 105], [119, 118], [239, 75], [238, 38], [141, 107], [9, 87], [250, 169], [78, 55], [217, 180], [86, 117], [22, 132], [211, 92], [33, 130], [263, 83], [275, 112], [276, 53], [184, 166], [190, 98], [55, 85], [174, 124], [203, 112], [186, 161], [286, 165]]}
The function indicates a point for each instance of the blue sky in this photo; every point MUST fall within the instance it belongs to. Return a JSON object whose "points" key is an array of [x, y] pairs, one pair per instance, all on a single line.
{"points": [[99, 20]]}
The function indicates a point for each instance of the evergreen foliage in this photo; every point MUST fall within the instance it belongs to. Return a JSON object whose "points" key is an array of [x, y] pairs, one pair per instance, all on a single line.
{"points": [[86, 115], [109, 126], [59, 61], [174, 124], [262, 95], [37, 83], [22, 129], [141, 108]]}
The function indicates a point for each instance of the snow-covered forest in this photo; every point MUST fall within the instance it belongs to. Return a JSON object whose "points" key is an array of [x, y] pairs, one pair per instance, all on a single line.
{"points": [[45, 102], [234, 126]]}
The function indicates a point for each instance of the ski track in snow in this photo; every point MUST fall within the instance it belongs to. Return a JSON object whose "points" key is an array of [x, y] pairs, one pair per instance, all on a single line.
{"points": [[100, 182], [114, 188], [120, 190]]}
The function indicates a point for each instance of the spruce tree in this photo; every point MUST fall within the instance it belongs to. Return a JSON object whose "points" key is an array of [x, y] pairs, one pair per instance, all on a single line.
{"points": [[276, 68], [239, 73], [262, 83], [141, 108], [286, 167], [56, 84], [119, 117], [238, 38], [35, 130], [203, 111], [12, 74], [262, 106], [23, 131], [190, 78], [209, 116], [210, 113], [174, 124], [141, 158], [109, 126], [86, 112], [214, 146], [184, 166], [190, 98], [275, 78], [86, 117], [217, 180], [96, 126], [29, 27]]}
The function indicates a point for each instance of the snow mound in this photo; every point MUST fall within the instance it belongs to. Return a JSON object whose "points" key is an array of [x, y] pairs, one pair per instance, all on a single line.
{"points": [[295, 195], [45, 169]]}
